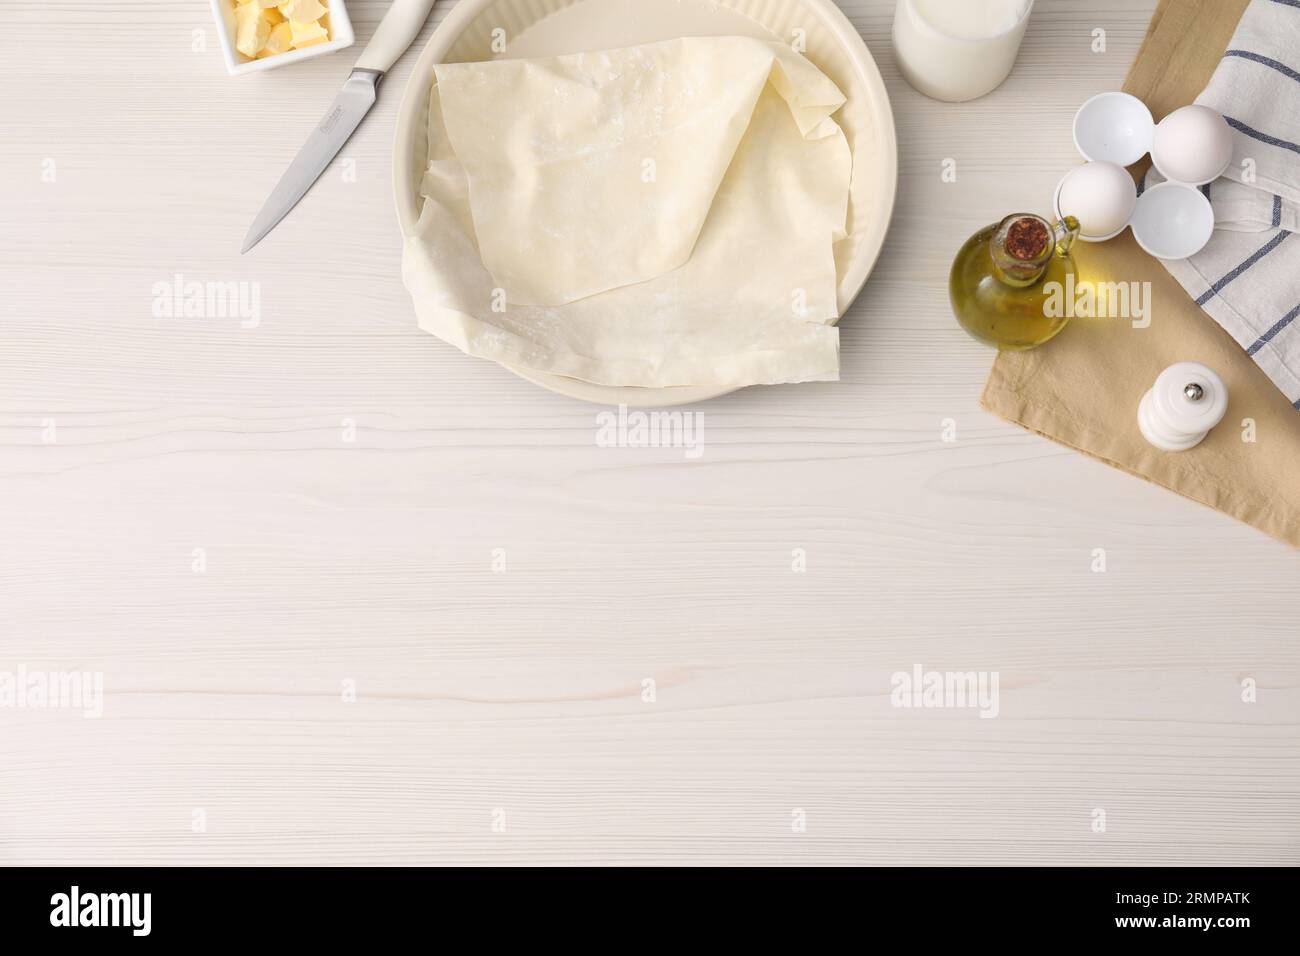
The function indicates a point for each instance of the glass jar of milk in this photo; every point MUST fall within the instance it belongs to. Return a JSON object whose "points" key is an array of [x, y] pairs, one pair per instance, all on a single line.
{"points": [[956, 50]]}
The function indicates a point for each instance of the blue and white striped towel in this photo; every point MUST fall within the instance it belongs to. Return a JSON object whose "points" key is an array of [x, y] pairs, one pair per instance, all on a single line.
{"points": [[1248, 277]]}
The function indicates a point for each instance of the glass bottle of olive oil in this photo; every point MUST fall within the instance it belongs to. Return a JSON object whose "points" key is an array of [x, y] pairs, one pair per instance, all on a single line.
{"points": [[1002, 280]]}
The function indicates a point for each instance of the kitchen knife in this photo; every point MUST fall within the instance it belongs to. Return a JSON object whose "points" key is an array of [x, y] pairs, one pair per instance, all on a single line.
{"points": [[396, 31]]}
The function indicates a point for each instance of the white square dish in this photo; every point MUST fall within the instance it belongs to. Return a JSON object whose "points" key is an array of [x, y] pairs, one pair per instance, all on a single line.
{"points": [[238, 65]]}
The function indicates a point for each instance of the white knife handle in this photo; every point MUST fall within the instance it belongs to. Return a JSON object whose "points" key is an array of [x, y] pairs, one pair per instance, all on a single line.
{"points": [[396, 31]]}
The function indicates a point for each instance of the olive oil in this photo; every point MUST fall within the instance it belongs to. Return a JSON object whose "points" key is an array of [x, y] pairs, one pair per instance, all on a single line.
{"points": [[1003, 277]]}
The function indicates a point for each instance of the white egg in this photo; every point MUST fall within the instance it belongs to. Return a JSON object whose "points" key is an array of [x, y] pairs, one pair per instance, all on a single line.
{"points": [[1101, 196], [1192, 145]]}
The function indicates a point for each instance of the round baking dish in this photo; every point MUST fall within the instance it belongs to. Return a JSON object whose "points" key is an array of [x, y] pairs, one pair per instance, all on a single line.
{"points": [[533, 28]]}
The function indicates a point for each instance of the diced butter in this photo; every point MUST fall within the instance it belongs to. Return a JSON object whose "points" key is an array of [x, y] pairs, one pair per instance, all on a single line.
{"points": [[279, 41], [303, 11], [307, 34], [270, 27], [252, 29]]}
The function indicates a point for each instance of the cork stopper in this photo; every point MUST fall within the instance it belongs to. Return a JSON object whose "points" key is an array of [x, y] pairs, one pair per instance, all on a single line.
{"points": [[1027, 238], [1021, 247]]}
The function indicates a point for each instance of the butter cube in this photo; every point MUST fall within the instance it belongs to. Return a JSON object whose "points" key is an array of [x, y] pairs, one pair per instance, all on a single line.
{"points": [[303, 11], [252, 29], [279, 41], [306, 34]]}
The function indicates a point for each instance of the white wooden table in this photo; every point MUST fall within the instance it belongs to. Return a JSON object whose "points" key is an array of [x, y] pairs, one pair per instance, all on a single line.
{"points": [[182, 511]]}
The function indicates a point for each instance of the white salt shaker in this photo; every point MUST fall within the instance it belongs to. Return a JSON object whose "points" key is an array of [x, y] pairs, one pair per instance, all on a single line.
{"points": [[1187, 400]]}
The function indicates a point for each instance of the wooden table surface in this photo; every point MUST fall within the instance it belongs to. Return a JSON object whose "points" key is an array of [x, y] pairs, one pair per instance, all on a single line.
{"points": [[563, 653]]}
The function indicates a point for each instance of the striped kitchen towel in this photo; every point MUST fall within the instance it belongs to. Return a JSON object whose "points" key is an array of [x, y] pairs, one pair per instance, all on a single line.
{"points": [[1248, 277]]}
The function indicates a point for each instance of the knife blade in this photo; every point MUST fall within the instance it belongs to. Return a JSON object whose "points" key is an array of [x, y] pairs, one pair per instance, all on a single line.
{"points": [[344, 116], [396, 32]]}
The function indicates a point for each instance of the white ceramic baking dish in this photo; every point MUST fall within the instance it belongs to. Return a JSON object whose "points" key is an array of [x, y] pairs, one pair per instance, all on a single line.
{"points": [[482, 29]]}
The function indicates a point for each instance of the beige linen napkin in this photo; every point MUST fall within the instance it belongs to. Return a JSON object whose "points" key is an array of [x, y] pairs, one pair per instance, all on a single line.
{"points": [[1082, 389]]}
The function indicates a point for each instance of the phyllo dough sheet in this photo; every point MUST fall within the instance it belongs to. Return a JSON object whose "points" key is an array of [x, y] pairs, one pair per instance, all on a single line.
{"points": [[652, 216]]}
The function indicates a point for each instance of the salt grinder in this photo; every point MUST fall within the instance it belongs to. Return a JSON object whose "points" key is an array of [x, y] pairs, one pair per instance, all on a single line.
{"points": [[1187, 400]]}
